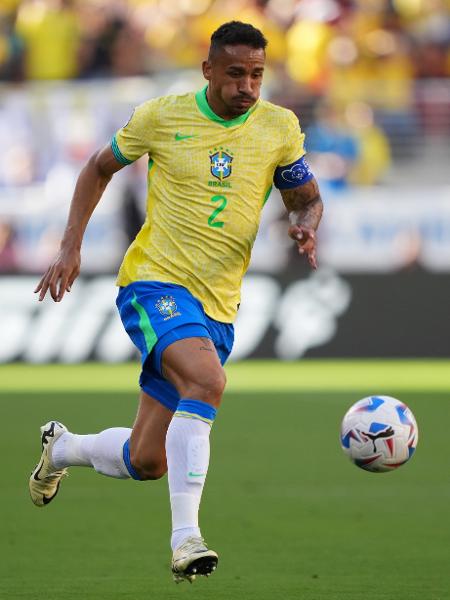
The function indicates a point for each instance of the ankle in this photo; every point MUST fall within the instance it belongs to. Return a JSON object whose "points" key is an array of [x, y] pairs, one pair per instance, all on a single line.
{"points": [[181, 535]]}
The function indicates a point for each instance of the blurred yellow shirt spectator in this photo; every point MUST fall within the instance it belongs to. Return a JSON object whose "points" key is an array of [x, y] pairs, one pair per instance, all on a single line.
{"points": [[8, 6], [50, 32], [307, 43], [374, 156]]}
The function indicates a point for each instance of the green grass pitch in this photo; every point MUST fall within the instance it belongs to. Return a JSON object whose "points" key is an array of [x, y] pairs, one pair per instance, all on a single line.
{"points": [[289, 515]]}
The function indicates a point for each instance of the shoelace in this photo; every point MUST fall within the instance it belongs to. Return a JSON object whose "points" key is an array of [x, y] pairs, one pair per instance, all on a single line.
{"points": [[57, 475], [192, 543]]}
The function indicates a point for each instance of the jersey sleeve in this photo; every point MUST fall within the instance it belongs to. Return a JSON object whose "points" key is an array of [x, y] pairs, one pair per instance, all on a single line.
{"points": [[293, 142], [292, 169], [134, 139]]}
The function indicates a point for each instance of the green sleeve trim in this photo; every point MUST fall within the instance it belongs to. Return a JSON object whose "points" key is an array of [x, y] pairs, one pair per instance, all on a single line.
{"points": [[203, 106], [118, 154], [266, 197], [145, 325]]}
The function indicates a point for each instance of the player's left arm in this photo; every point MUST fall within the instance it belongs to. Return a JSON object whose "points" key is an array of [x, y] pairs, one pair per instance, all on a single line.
{"points": [[305, 207]]}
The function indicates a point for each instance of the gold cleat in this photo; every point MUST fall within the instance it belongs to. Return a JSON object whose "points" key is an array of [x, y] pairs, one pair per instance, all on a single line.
{"points": [[45, 479], [193, 558]]}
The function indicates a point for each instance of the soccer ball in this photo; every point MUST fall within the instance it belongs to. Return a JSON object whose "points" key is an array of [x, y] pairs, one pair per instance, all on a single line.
{"points": [[379, 434]]}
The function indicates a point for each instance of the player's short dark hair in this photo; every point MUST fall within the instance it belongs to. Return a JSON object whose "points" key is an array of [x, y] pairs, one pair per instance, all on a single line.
{"points": [[237, 33]]}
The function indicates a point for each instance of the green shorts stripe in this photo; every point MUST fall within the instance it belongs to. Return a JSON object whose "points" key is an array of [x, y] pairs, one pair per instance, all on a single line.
{"points": [[145, 325]]}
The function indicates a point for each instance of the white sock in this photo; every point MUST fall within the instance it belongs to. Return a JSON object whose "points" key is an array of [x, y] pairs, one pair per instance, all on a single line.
{"points": [[187, 451], [102, 451]]}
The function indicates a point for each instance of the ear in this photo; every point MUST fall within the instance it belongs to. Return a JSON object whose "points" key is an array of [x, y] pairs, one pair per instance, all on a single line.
{"points": [[206, 68]]}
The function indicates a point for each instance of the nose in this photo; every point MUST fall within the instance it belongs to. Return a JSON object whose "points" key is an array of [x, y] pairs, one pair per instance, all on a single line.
{"points": [[245, 86]]}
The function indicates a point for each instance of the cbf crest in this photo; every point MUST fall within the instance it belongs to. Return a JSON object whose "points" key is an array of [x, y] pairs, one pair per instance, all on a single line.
{"points": [[167, 307], [221, 162]]}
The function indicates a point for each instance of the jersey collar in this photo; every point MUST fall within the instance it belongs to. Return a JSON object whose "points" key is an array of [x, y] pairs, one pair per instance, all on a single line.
{"points": [[205, 109]]}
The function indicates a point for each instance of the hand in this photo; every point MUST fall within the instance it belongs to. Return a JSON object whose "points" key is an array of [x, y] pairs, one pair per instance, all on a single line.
{"points": [[60, 276], [306, 242]]}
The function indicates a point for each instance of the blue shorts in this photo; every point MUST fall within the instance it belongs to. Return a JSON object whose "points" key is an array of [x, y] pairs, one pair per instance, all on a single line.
{"points": [[157, 314]]}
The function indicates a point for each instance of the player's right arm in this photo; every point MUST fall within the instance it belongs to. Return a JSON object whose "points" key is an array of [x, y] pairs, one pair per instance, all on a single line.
{"points": [[299, 190], [89, 188]]}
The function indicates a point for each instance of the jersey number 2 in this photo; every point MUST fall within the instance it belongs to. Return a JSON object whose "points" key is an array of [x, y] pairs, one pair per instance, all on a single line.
{"points": [[211, 220]]}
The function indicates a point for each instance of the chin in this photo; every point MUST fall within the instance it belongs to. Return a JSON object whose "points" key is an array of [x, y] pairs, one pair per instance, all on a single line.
{"points": [[240, 110]]}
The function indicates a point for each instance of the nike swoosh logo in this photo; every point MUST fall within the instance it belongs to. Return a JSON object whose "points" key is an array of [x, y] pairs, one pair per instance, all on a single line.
{"points": [[36, 474], [49, 433], [180, 136], [190, 474], [36, 477], [46, 499]]}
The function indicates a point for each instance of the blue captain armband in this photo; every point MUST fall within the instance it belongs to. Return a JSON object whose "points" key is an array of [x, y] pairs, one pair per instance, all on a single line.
{"points": [[292, 175]]}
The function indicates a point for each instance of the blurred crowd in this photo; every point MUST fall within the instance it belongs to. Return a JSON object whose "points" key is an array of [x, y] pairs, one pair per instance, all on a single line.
{"points": [[349, 64], [331, 45], [350, 69]]}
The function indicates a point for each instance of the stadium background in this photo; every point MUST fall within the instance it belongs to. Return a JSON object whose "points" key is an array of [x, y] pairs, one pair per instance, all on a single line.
{"points": [[370, 82]]}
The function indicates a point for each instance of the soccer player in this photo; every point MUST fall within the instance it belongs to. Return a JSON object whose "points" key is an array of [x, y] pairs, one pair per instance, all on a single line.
{"points": [[213, 157]]}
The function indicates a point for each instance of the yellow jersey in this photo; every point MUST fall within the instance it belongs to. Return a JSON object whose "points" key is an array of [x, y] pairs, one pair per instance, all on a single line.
{"points": [[208, 180]]}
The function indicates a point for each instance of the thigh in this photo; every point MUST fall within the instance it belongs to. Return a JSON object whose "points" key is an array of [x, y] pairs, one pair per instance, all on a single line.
{"points": [[193, 366], [151, 310], [148, 437], [155, 315], [222, 335]]}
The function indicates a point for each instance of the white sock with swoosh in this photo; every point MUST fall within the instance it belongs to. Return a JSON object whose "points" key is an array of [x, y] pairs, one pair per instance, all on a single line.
{"points": [[187, 450]]}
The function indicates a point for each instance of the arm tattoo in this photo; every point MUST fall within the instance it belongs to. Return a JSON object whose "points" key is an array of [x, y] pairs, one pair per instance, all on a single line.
{"points": [[304, 204]]}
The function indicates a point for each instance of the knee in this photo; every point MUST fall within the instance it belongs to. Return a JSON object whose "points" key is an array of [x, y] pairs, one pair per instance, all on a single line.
{"points": [[148, 468], [208, 387]]}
